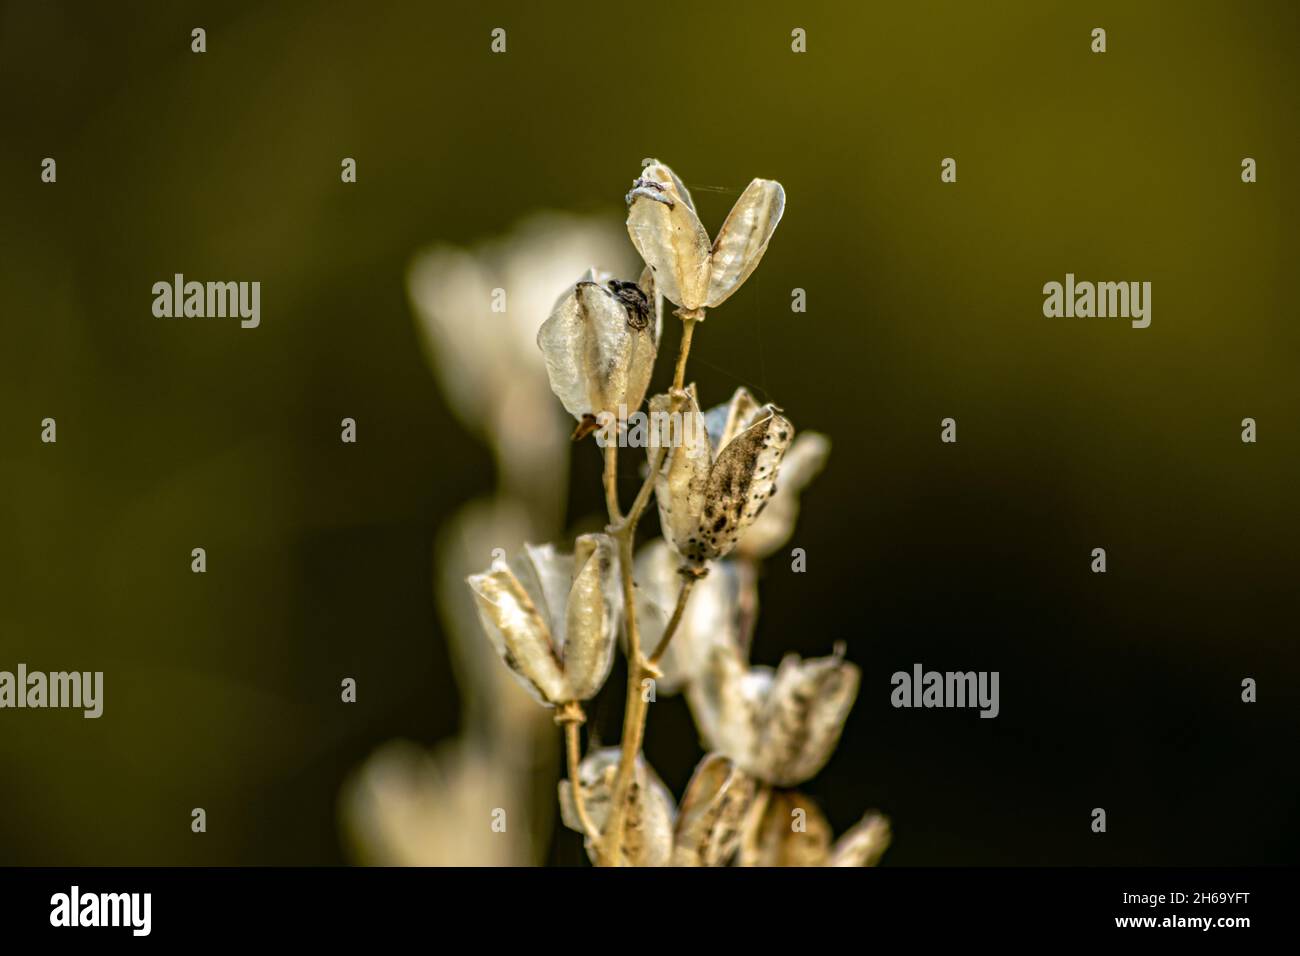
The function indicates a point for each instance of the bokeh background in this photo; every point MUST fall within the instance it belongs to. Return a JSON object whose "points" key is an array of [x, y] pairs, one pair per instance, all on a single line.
{"points": [[222, 690]]}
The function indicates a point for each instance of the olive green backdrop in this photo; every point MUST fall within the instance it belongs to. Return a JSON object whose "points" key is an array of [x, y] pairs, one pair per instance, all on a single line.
{"points": [[924, 301]]}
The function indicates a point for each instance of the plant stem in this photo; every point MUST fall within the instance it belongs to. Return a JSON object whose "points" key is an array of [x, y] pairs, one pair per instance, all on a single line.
{"points": [[571, 721], [635, 707], [688, 332], [611, 483], [688, 582], [676, 396], [647, 487]]}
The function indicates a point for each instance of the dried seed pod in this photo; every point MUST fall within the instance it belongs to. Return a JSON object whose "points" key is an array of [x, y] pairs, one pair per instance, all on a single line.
{"points": [[781, 726], [726, 698], [715, 485], [667, 232], [803, 716], [553, 618], [711, 814], [862, 845], [648, 823], [785, 828], [600, 344], [743, 238], [772, 529], [680, 484], [486, 362]]}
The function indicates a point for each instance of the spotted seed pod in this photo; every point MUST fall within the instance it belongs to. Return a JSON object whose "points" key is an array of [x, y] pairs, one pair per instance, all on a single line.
{"points": [[788, 828], [773, 527], [780, 725], [691, 271], [600, 343], [713, 808], [648, 823], [785, 828], [553, 618], [720, 470]]}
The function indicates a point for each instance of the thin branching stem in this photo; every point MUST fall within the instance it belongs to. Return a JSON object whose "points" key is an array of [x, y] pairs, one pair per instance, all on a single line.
{"points": [[689, 321], [676, 397], [688, 582], [611, 483], [572, 717], [633, 709], [638, 668], [647, 488]]}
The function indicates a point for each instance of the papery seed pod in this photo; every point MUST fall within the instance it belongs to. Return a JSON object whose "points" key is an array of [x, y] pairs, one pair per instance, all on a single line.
{"points": [[712, 615], [742, 479], [680, 483], [487, 363], [726, 698], [743, 238], [713, 488], [781, 726], [862, 845], [785, 828], [713, 809], [772, 529], [666, 231], [691, 271], [600, 343], [553, 618], [724, 422], [648, 823], [803, 715]]}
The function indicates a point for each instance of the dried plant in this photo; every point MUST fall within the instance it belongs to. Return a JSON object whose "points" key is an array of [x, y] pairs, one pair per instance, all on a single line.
{"points": [[407, 805], [684, 608]]}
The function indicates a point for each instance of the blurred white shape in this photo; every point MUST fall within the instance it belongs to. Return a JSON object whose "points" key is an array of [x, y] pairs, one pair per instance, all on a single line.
{"points": [[406, 806], [488, 364], [494, 707]]}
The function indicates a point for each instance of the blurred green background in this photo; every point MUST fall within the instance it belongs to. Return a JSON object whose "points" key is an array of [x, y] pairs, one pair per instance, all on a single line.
{"points": [[924, 301]]}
